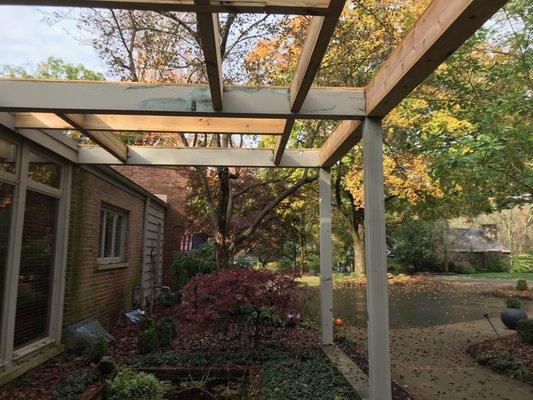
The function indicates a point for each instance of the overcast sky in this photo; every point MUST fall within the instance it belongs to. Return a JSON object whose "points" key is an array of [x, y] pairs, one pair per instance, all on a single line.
{"points": [[26, 39]]}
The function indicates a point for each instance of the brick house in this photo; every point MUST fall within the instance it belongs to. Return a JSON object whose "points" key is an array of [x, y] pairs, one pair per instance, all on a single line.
{"points": [[75, 242]]}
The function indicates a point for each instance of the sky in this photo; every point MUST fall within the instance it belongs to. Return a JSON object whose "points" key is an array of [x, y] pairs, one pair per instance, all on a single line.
{"points": [[26, 39]]}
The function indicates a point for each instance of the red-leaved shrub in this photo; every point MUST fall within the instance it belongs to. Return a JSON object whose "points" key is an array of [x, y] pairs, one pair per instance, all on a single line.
{"points": [[229, 295]]}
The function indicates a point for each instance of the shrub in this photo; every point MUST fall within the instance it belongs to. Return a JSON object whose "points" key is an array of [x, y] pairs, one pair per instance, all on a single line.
{"points": [[190, 263], [280, 265], [513, 302], [107, 366], [525, 330], [74, 385], [522, 262], [146, 324], [463, 267], [166, 330], [130, 385], [494, 263], [418, 243], [147, 341], [312, 264], [210, 299], [521, 285], [166, 299], [504, 361], [96, 351]]}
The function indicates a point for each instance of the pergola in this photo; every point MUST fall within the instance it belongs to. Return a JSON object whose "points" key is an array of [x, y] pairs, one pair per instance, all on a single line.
{"points": [[40, 110]]}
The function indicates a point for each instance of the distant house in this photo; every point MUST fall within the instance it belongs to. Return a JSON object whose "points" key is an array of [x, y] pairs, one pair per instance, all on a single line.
{"points": [[477, 245]]}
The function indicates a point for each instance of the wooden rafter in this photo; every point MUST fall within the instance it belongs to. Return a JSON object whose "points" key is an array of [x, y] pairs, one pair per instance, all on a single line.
{"points": [[296, 7], [441, 29], [315, 45], [215, 157], [106, 140], [281, 143], [151, 123], [208, 28], [81, 97]]}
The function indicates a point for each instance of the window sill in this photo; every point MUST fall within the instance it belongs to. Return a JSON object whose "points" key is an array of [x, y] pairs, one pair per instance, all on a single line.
{"points": [[103, 266], [31, 348]]}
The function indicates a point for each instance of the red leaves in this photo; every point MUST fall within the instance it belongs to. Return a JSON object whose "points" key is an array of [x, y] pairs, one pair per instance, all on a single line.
{"points": [[207, 299]]}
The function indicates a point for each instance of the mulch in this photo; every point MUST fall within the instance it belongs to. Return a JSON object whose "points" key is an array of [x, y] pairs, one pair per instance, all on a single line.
{"points": [[360, 357]]}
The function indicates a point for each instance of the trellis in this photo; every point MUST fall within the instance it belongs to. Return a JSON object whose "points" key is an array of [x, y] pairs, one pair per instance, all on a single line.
{"points": [[40, 110]]}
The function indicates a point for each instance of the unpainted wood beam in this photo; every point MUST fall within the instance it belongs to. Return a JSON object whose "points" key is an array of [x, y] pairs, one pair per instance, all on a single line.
{"points": [[151, 123], [208, 29], [296, 7], [344, 137], [315, 46], [443, 27], [106, 140], [281, 143]]}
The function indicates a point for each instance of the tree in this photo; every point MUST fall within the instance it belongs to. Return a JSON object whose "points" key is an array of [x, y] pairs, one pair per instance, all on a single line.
{"points": [[52, 68], [165, 46]]}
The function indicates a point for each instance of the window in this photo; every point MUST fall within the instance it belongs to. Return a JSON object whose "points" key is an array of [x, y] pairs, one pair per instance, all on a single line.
{"points": [[44, 171], [8, 156], [112, 235]]}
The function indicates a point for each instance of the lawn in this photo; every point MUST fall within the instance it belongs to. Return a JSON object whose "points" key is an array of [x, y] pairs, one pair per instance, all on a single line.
{"points": [[495, 275]]}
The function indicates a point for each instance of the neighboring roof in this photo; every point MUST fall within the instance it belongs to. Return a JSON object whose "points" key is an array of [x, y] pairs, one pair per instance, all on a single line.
{"points": [[473, 240]]}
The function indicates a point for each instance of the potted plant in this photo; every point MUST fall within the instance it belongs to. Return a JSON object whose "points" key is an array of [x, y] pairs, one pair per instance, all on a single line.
{"points": [[513, 313]]}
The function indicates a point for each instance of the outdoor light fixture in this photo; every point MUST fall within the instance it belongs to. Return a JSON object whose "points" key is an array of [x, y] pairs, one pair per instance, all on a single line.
{"points": [[486, 315]]}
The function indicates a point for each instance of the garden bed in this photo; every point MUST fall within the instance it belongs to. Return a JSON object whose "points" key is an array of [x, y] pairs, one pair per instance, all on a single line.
{"points": [[508, 355]]}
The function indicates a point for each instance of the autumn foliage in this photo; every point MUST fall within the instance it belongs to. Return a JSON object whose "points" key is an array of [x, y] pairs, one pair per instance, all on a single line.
{"points": [[228, 295]]}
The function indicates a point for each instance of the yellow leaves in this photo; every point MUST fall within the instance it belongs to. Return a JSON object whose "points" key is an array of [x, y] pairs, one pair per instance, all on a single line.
{"points": [[406, 177], [444, 121]]}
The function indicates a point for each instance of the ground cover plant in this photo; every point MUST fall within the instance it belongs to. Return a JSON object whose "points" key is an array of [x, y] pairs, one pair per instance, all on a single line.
{"points": [[509, 355]]}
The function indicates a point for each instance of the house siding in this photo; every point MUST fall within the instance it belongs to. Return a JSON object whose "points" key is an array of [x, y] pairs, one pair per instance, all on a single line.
{"points": [[171, 182], [88, 290]]}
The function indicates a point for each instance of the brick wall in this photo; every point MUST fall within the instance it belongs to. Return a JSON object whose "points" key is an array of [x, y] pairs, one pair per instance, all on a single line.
{"points": [[90, 290], [171, 182]]}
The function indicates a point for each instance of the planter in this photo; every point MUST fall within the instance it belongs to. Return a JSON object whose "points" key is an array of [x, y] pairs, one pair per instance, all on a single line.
{"points": [[511, 316]]}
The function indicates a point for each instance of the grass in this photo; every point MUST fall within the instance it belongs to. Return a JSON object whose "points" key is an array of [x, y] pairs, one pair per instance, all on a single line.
{"points": [[496, 275], [314, 280]]}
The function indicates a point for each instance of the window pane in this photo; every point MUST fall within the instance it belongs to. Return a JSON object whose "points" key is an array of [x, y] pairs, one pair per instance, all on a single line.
{"points": [[108, 234], [44, 171], [36, 266], [118, 236], [6, 199], [8, 156]]}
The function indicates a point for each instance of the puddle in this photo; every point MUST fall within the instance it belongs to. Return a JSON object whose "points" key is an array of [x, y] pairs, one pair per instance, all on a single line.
{"points": [[416, 307]]}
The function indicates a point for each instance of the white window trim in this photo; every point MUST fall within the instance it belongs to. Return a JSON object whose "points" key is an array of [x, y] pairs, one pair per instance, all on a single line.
{"points": [[21, 185], [118, 261]]}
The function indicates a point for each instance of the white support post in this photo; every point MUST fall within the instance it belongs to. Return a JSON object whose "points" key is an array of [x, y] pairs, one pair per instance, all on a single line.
{"points": [[376, 262], [326, 258]]}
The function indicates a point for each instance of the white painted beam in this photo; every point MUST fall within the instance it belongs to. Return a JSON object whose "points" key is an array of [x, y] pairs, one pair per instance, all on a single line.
{"points": [[326, 258], [79, 97], [208, 157], [376, 262]]}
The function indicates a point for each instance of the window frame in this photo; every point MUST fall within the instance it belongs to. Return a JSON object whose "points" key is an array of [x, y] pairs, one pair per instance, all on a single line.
{"points": [[113, 259]]}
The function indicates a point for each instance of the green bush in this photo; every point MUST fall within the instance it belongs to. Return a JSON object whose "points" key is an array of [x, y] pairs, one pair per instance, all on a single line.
{"points": [[187, 264], [107, 366], [166, 299], [463, 267], [525, 330], [522, 262], [279, 265], [96, 351], [130, 385], [146, 324], [513, 302], [521, 285], [494, 263], [504, 361], [74, 385], [312, 264], [417, 243], [147, 341], [166, 330]]}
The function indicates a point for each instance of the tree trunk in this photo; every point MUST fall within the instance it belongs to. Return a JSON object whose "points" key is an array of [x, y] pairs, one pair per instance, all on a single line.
{"points": [[359, 249], [222, 253]]}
